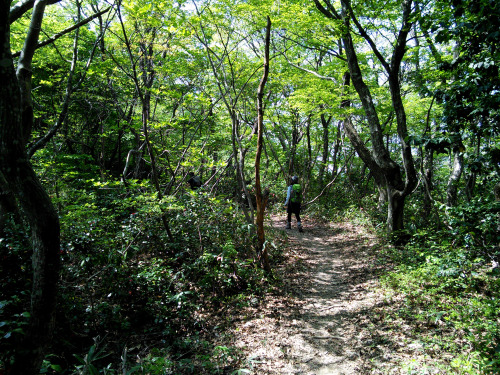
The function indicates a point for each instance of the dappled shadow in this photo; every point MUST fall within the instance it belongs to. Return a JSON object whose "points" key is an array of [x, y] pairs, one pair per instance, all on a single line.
{"points": [[328, 316], [334, 300], [325, 330]]}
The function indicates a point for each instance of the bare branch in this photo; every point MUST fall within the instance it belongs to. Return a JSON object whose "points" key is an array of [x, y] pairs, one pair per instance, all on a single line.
{"points": [[311, 71], [66, 31], [337, 174]]}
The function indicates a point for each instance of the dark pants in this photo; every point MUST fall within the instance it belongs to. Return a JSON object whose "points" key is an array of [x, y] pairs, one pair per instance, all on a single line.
{"points": [[293, 208]]}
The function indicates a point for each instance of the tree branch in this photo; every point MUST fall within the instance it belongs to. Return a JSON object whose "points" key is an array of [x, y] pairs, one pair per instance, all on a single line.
{"points": [[22, 7], [337, 174], [41, 142], [330, 12], [400, 48], [310, 71], [66, 31], [365, 35]]}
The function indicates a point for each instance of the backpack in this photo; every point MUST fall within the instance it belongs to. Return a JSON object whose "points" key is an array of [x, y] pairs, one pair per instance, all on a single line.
{"points": [[194, 182], [296, 194], [197, 181]]}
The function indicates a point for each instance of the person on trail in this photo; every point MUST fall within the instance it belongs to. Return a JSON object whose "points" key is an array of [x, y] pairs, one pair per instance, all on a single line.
{"points": [[293, 202], [194, 181]]}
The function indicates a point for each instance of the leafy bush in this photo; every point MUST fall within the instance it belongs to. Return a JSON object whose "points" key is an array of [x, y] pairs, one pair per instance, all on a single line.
{"points": [[450, 282], [15, 293], [123, 276]]}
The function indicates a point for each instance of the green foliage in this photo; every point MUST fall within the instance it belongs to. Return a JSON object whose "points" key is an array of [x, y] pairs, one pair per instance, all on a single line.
{"points": [[209, 359], [474, 225], [16, 272], [471, 99], [450, 285], [122, 275], [88, 362]]}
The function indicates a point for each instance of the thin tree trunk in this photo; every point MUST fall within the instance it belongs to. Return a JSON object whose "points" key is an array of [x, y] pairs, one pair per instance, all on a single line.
{"points": [[472, 176], [148, 74], [282, 169], [454, 179], [238, 160], [70, 88], [428, 168], [261, 199], [325, 122], [310, 161], [296, 138], [337, 146]]}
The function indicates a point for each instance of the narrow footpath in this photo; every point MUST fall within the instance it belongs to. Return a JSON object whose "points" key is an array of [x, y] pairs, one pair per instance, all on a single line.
{"points": [[320, 322]]}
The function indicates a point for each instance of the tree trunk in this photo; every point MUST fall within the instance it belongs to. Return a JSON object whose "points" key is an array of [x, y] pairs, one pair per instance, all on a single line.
{"points": [[311, 160], [239, 160], [471, 178], [396, 203], [337, 147], [428, 167], [454, 179], [144, 94], [8, 206], [24, 68], [378, 159], [24, 184], [325, 122], [44, 223], [362, 151], [261, 199], [293, 149]]}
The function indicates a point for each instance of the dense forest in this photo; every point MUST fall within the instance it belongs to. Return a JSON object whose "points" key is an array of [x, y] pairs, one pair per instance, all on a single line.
{"points": [[387, 112]]}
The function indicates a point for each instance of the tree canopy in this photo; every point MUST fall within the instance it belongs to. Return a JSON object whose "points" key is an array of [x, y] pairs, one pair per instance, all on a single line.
{"points": [[389, 108]]}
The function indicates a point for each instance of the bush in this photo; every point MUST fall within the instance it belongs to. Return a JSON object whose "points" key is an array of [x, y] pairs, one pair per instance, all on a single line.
{"points": [[450, 285], [123, 276]]}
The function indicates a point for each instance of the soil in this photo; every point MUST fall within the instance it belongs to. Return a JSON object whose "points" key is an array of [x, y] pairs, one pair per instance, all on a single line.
{"points": [[327, 316]]}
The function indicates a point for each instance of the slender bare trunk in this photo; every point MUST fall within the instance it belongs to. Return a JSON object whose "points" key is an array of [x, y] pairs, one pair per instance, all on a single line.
{"points": [[325, 122], [144, 94], [261, 199], [239, 159], [428, 167], [454, 179]]}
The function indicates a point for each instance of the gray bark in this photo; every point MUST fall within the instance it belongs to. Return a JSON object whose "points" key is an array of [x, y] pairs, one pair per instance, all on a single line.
{"points": [[454, 179], [325, 122], [378, 159], [428, 168]]}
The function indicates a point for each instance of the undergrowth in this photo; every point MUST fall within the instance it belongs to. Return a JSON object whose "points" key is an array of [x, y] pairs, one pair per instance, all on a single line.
{"points": [[446, 285], [132, 299]]}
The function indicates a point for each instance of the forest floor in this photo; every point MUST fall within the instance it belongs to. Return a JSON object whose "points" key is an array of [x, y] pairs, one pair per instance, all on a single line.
{"points": [[327, 316]]}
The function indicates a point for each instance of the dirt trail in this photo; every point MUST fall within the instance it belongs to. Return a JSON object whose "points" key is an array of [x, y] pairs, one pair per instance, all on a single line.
{"points": [[317, 323]]}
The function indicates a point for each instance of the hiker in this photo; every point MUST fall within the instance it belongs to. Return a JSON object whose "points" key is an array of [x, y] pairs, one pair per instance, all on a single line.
{"points": [[194, 181], [292, 202]]}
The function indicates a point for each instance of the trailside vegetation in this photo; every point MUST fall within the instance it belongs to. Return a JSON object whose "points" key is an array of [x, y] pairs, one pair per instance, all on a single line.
{"points": [[110, 263]]}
